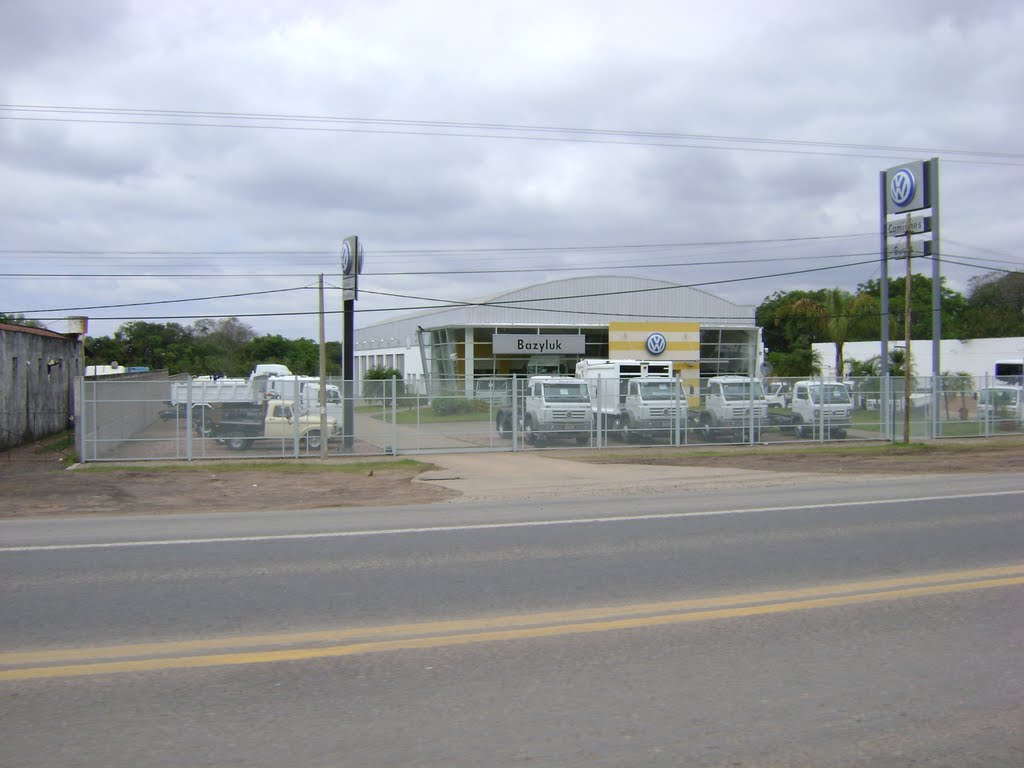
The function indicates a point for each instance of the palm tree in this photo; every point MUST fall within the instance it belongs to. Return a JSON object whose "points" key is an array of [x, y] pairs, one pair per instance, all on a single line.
{"points": [[960, 383], [838, 317]]}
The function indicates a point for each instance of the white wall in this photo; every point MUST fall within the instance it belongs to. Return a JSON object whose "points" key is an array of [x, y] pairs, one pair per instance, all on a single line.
{"points": [[974, 356]]}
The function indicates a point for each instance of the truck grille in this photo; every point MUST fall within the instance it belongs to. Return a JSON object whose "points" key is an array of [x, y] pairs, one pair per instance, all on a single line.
{"points": [[570, 415]]}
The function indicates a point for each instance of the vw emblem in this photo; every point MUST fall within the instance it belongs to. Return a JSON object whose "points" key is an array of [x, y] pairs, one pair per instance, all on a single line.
{"points": [[656, 343], [902, 187]]}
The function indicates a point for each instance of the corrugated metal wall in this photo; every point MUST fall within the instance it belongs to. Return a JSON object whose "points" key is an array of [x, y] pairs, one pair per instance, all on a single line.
{"points": [[37, 374]]}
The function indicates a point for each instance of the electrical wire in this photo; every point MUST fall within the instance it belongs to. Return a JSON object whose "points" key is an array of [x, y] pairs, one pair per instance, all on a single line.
{"points": [[488, 131]]}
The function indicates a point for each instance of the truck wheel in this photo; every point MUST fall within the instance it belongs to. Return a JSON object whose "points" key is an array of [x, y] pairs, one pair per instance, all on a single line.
{"points": [[503, 425], [628, 433], [202, 420], [839, 434], [582, 439], [800, 428], [530, 434], [312, 440], [238, 443], [707, 429]]}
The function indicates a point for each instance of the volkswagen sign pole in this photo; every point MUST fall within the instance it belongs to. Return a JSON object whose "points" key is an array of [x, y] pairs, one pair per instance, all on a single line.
{"points": [[351, 266], [904, 189]]}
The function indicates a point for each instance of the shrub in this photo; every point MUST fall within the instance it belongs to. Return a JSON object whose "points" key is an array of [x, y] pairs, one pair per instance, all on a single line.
{"points": [[377, 385]]}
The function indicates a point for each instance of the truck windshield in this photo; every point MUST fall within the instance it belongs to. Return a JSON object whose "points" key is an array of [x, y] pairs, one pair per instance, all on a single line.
{"points": [[566, 393], [658, 390], [740, 390], [1000, 398], [830, 393]]}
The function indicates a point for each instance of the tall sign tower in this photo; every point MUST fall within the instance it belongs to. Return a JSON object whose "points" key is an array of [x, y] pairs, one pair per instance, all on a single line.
{"points": [[905, 190], [351, 266]]}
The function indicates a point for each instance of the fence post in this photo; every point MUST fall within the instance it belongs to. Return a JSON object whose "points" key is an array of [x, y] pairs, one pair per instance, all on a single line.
{"points": [[81, 421], [515, 412], [188, 419], [394, 416]]}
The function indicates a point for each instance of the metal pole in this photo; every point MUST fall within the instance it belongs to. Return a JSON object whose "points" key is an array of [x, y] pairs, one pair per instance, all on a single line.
{"points": [[907, 333], [323, 376], [348, 372], [933, 200], [885, 390]]}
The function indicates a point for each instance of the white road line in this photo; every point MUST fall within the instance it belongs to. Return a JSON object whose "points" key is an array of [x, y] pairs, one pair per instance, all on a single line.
{"points": [[490, 526]]}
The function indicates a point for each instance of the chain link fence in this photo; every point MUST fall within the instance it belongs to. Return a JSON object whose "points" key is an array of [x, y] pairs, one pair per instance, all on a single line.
{"points": [[188, 420]]}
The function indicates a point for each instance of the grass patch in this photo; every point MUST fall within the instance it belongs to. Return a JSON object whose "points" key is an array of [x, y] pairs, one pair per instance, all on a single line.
{"points": [[63, 444], [427, 416], [827, 451], [56, 443]]}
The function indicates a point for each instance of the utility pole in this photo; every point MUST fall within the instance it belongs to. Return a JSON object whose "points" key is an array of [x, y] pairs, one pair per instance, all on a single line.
{"points": [[907, 335], [323, 376]]}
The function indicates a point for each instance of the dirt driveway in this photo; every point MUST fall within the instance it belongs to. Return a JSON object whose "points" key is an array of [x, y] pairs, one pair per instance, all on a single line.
{"points": [[34, 480]]}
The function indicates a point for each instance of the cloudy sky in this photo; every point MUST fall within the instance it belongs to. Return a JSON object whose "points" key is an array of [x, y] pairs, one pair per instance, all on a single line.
{"points": [[161, 159]]}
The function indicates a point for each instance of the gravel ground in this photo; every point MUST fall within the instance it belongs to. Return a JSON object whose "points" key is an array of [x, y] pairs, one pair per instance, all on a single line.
{"points": [[35, 481]]}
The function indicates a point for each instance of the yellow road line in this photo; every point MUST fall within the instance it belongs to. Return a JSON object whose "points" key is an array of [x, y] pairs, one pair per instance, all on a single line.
{"points": [[453, 633]]}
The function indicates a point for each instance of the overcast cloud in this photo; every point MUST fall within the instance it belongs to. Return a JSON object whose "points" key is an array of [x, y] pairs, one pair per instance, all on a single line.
{"points": [[149, 199]]}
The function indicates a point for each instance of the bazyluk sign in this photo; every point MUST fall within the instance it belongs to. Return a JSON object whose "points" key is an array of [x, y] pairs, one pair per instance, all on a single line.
{"points": [[538, 344]]}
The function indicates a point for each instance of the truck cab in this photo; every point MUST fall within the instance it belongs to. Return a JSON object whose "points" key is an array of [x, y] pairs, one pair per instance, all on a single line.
{"points": [[556, 407], [653, 408], [822, 408], [1001, 403], [778, 394], [733, 406]]}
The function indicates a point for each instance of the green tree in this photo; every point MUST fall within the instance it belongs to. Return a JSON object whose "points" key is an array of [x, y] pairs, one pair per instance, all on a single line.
{"points": [[18, 319], [218, 344], [377, 386], [333, 352], [995, 305], [954, 307], [838, 317], [304, 357], [263, 349], [158, 346], [104, 350], [782, 331]]}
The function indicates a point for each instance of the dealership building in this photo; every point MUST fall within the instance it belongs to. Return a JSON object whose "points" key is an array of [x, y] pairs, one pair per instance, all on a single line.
{"points": [[547, 328]]}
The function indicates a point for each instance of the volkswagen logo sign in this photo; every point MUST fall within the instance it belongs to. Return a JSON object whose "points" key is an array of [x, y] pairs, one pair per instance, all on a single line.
{"points": [[902, 187], [656, 343]]}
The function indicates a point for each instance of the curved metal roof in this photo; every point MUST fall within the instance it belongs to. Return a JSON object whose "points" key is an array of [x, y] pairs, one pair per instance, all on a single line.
{"points": [[574, 302]]}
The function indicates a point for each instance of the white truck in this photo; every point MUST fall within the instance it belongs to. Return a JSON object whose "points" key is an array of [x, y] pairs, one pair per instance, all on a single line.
{"points": [[304, 390], [822, 408], [203, 390], [496, 390], [1002, 404], [268, 381], [732, 407], [549, 407], [779, 394], [635, 399]]}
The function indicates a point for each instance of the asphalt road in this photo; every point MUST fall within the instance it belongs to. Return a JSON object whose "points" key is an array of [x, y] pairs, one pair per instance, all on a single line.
{"points": [[822, 626]]}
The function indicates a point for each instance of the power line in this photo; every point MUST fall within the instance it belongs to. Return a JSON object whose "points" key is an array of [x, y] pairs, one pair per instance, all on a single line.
{"points": [[432, 252], [405, 273], [483, 130], [162, 301], [420, 298]]}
